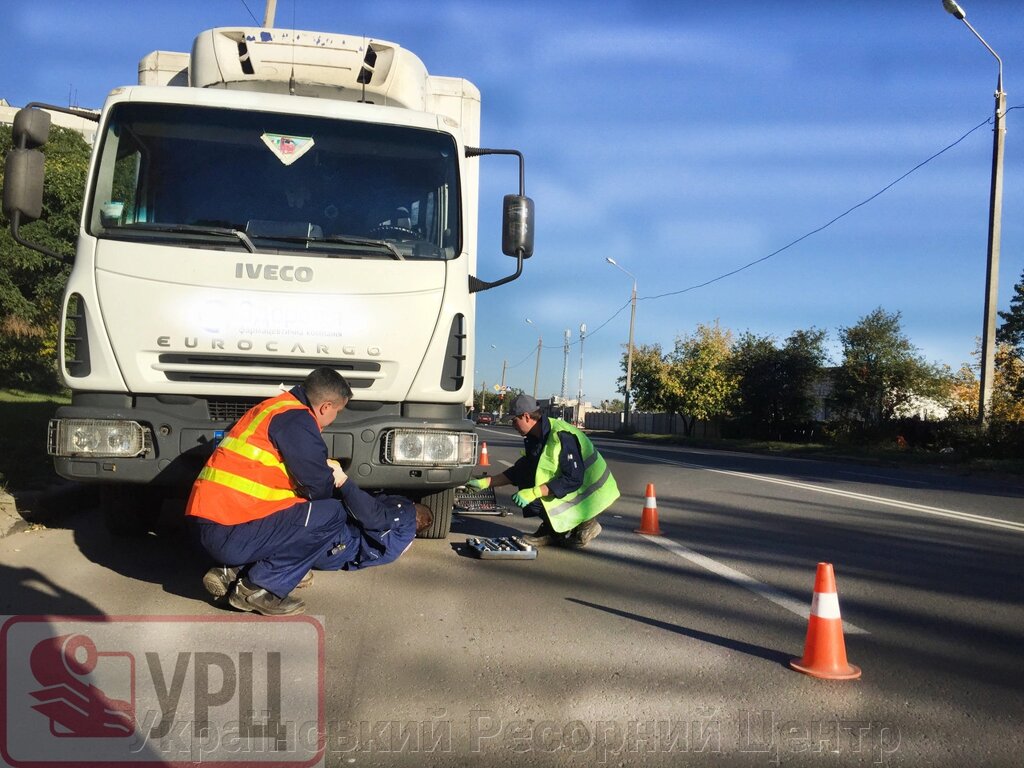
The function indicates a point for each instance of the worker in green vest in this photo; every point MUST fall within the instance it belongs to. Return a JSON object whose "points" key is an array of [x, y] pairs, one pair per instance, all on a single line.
{"points": [[561, 478]]}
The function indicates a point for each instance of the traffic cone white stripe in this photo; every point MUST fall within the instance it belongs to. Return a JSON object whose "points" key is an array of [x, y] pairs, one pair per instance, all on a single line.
{"points": [[825, 605], [650, 503]]}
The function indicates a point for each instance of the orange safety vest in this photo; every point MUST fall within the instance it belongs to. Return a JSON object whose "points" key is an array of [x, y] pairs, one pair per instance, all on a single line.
{"points": [[245, 478]]}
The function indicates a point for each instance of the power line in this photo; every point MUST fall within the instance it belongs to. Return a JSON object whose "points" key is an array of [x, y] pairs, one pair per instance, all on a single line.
{"points": [[847, 212], [828, 224], [251, 13]]}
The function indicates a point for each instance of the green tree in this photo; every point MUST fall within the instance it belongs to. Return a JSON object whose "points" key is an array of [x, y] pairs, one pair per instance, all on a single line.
{"points": [[693, 381], [757, 365], [700, 383], [31, 284], [1010, 333], [774, 385], [881, 371], [803, 357], [650, 371], [1011, 330]]}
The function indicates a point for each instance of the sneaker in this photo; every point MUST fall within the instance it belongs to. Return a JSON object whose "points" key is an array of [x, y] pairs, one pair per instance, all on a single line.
{"points": [[305, 581], [247, 596], [541, 537], [583, 534], [218, 581]]}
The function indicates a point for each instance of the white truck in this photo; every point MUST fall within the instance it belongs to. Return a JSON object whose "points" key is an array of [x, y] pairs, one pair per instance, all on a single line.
{"points": [[275, 201]]}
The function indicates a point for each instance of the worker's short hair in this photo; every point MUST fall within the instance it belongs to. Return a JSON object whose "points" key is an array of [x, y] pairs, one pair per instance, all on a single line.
{"points": [[424, 518], [326, 384]]}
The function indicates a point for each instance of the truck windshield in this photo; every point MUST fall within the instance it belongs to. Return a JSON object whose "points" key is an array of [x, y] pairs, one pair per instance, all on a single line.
{"points": [[199, 176]]}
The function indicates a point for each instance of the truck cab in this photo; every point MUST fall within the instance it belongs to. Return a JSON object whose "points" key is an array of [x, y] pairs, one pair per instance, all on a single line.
{"points": [[275, 201]]}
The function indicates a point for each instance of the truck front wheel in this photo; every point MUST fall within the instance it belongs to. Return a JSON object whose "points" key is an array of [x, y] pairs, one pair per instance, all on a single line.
{"points": [[440, 504]]}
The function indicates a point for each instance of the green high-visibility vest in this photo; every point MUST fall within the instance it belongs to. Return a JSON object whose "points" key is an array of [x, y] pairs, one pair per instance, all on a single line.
{"points": [[598, 491]]}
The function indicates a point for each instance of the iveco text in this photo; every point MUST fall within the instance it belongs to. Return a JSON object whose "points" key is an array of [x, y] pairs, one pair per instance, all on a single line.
{"points": [[273, 272]]}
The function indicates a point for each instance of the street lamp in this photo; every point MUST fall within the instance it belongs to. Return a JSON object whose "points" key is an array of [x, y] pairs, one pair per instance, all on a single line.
{"points": [[536, 369], [995, 212], [629, 351]]}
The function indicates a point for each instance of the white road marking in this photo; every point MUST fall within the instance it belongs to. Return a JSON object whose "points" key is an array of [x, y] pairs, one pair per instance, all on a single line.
{"points": [[770, 593], [953, 514]]}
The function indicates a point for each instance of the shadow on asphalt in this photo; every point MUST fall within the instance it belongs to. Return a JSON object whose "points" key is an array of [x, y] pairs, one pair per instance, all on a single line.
{"points": [[706, 637]]}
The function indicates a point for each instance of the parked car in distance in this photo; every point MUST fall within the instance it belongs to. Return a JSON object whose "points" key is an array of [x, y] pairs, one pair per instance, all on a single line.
{"points": [[484, 418]]}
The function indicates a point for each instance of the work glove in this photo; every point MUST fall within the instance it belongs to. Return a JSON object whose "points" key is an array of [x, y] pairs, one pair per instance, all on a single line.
{"points": [[525, 496], [339, 474], [479, 483]]}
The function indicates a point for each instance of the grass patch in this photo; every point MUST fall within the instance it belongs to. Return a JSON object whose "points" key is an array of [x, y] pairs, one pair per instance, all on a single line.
{"points": [[24, 463]]}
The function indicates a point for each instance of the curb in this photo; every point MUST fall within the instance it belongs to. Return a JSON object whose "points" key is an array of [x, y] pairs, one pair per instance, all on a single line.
{"points": [[10, 520]]}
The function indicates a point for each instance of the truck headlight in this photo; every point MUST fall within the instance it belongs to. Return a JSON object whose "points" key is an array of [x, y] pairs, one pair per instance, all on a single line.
{"points": [[429, 447], [97, 437]]}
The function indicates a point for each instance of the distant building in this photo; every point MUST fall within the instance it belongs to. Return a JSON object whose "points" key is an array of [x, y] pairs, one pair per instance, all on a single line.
{"points": [[83, 125]]}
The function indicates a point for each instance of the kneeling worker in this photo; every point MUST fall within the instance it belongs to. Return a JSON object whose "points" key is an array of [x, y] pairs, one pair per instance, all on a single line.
{"points": [[562, 478], [264, 504]]}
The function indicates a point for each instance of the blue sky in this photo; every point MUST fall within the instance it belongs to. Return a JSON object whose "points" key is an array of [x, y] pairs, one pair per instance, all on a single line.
{"points": [[684, 140]]}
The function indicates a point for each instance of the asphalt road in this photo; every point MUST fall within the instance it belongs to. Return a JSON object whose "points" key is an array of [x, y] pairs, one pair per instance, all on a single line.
{"points": [[663, 650]]}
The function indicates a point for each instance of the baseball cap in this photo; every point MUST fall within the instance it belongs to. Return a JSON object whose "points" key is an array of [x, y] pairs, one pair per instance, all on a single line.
{"points": [[522, 404]]}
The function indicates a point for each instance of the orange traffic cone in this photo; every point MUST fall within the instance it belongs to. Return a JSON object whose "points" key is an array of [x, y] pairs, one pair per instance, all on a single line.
{"points": [[649, 518], [484, 460], [824, 649]]}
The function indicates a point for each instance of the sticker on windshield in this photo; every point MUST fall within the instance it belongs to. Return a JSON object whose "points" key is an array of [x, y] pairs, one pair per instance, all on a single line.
{"points": [[288, 149]]}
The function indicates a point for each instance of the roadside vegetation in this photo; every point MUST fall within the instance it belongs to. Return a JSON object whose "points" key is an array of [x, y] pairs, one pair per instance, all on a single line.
{"points": [[24, 463], [882, 401]]}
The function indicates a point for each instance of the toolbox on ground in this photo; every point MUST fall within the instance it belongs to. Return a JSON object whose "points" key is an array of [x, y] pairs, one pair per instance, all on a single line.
{"points": [[501, 548]]}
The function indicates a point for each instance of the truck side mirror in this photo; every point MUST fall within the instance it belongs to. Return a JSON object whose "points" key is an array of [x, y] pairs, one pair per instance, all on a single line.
{"points": [[23, 184], [31, 128], [24, 169], [517, 226]]}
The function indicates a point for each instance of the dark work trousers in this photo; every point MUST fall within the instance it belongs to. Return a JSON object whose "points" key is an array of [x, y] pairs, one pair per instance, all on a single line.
{"points": [[372, 547], [282, 547], [536, 509]]}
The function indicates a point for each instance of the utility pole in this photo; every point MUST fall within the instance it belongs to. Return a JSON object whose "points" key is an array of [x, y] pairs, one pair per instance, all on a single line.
{"points": [[536, 369], [565, 368], [501, 398], [995, 213], [579, 397], [268, 16]]}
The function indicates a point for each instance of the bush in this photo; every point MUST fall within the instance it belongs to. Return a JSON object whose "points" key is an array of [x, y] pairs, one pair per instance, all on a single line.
{"points": [[27, 356]]}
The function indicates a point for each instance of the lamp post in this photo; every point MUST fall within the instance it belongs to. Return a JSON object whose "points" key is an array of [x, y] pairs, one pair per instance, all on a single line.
{"points": [[995, 212], [536, 369], [629, 350]]}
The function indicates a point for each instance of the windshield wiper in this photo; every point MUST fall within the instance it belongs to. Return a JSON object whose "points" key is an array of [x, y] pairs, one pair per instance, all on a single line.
{"points": [[352, 240], [340, 239], [189, 228]]}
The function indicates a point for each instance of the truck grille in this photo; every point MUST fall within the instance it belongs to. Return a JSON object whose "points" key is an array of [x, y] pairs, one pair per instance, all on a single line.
{"points": [[229, 369], [230, 410]]}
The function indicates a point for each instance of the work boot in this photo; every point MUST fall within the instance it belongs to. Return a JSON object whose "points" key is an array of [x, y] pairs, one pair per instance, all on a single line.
{"points": [[247, 596], [583, 534], [541, 537], [218, 581], [305, 581]]}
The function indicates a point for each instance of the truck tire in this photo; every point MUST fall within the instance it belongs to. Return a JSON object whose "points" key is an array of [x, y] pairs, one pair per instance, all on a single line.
{"points": [[440, 504], [129, 509]]}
